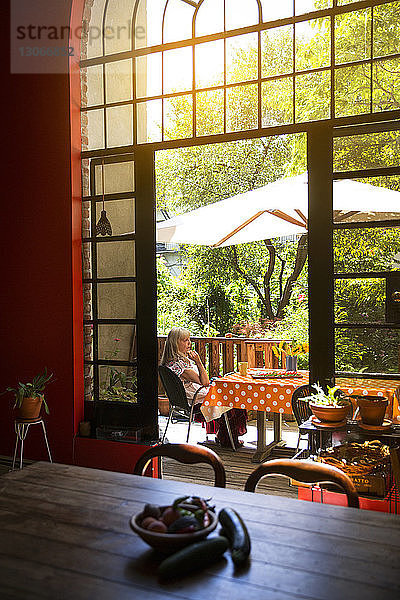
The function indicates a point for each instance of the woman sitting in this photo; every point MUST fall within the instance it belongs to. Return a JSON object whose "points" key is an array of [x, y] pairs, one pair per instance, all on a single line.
{"points": [[186, 363]]}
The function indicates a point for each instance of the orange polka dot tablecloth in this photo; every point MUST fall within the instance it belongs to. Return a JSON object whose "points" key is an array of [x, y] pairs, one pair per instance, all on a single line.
{"points": [[374, 387], [274, 395], [270, 395]]}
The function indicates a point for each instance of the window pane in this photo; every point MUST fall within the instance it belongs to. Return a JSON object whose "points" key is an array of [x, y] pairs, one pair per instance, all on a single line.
{"points": [[92, 86], [276, 10], [368, 199], [366, 151], [118, 81], [360, 300], [277, 51], [210, 18], [118, 177], [178, 70], [95, 38], [148, 75], [313, 44], [94, 121], [241, 110], [316, 86], [119, 126], [387, 29], [118, 25], [116, 259], [148, 26], [358, 45], [352, 90], [178, 21], [178, 117], [116, 342], [241, 58], [277, 102], [121, 214], [209, 64], [116, 300], [369, 350], [307, 6], [240, 14], [386, 85], [369, 249], [149, 121], [117, 383], [210, 112]]}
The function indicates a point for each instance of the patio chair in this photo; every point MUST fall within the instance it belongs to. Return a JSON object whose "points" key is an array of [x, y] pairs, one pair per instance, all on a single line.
{"points": [[307, 472], [187, 454], [178, 402], [301, 410]]}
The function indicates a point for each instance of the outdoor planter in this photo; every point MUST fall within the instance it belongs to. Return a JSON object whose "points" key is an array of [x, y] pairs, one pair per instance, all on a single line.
{"points": [[372, 409], [330, 406], [330, 414]]}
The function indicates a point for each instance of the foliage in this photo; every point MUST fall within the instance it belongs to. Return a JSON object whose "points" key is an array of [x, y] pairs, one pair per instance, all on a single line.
{"points": [[117, 385], [258, 329], [290, 349], [33, 389], [332, 397]]}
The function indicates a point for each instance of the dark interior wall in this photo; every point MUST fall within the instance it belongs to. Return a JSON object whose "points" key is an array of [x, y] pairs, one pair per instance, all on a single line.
{"points": [[40, 250]]}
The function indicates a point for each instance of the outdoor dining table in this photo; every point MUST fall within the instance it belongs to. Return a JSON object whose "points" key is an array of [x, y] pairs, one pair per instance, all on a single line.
{"points": [[273, 395], [267, 395], [64, 534]]}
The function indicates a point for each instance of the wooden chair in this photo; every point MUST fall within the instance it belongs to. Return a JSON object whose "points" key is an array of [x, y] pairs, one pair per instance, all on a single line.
{"points": [[187, 454], [306, 471]]}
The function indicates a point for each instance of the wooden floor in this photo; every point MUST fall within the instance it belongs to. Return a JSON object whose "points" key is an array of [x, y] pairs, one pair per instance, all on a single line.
{"points": [[238, 467]]}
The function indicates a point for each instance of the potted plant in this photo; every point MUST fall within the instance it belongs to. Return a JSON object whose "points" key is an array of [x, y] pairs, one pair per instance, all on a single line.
{"points": [[372, 409], [331, 406], [29, 396], [291, 350]]}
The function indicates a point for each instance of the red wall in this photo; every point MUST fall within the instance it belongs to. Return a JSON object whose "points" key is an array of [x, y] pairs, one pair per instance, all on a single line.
{"points": [[40, 249]]}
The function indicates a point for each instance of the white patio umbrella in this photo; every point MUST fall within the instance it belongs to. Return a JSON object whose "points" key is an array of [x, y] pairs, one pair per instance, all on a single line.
{"points": [[274, 210]]}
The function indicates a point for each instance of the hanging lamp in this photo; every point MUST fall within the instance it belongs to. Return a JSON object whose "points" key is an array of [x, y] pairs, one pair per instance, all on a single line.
{"points": [[103, 226]]}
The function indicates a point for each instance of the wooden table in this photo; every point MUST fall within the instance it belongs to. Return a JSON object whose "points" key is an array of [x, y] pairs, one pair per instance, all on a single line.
{"points": [[65, 535]]}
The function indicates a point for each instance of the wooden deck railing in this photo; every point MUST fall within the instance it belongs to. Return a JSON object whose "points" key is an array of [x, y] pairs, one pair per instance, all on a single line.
{"points": [[222, 354]]}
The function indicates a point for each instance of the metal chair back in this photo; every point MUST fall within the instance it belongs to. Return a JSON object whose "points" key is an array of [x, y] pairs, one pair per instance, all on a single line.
{"points": [[300, 408], [306, 471], [174, 389], [187, 454], [178, 402]]}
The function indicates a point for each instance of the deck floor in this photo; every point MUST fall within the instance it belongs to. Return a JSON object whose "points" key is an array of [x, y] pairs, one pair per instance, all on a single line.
{"points": [[238, 465]]}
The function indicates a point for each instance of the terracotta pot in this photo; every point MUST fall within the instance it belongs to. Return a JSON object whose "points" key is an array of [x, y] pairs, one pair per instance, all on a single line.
{"points": [[30, 408], [372, 409], [330, 414]]}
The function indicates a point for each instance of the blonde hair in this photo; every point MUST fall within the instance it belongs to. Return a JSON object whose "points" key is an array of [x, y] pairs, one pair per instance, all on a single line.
{"points": [[171, 351]]}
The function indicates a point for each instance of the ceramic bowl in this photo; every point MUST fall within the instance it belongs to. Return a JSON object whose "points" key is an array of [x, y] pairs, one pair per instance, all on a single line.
{"points": [[167, 543], [330, 414]]}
